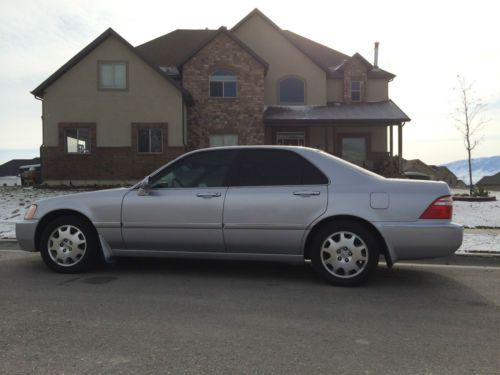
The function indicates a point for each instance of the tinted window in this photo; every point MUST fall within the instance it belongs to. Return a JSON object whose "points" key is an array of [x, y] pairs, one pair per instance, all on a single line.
{"points": [[274, 167], [204, 169]]}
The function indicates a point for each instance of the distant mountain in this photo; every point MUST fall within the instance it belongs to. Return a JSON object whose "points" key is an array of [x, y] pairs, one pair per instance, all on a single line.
{"points": [[480, 167]]}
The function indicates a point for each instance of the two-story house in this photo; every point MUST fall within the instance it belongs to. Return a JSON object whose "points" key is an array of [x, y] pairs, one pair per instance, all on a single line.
{"points": [[115, 112]]}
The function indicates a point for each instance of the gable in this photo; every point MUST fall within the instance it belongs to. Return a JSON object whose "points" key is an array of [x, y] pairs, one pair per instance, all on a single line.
{"points": [[222, 32], [103, 38], [75, 96], [82, 77], [284, 58]]}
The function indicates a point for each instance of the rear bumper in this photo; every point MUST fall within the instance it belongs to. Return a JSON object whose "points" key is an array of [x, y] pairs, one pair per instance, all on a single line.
{"points": [[25, 234], [421, 239]]}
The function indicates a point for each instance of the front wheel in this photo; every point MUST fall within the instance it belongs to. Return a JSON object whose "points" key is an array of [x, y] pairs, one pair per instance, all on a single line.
{"points": [[344, 253], [69, 245]]}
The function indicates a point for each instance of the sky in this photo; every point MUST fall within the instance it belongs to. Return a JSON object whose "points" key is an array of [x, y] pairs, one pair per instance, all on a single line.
{"points": [[425, 43]]}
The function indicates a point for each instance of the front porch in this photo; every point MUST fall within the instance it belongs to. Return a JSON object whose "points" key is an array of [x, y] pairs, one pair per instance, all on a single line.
{"points": [[365, 135]]}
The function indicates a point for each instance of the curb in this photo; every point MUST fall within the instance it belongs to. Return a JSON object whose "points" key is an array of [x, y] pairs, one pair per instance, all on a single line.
{"points": [[470, 258]]}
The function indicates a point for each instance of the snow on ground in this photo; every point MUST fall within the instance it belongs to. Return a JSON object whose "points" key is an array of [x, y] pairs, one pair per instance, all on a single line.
{"points": [[473, 214], [484, 241], [14, 201]]}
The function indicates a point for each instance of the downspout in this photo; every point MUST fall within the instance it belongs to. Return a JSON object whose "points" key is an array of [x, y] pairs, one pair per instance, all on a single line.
{"points": [[184, 124], [43, 137]]}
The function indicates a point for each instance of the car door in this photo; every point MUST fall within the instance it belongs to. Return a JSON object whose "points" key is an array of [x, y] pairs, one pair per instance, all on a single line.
{"points": [[273, 197], [182, 210]]}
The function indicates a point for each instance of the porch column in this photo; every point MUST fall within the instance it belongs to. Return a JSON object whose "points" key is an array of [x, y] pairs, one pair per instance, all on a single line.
{"points": [[391, 148], [391, 141], [400, 147]]}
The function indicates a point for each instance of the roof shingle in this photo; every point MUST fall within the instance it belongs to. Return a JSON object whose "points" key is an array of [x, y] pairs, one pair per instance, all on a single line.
{"points": [[380, 112]]}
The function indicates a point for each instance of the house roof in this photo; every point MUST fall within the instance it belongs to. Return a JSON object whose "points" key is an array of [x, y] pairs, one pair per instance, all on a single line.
{"points": [[326, 58], [442, 171], [373, 71], [173, 48], [223, 30], [11, 168], [490, 180], [386, 112], [417, 165], [186, 44], [39, 91]]}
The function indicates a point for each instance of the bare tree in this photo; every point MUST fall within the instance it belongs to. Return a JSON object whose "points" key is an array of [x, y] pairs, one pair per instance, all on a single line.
{"points": [[469, 120]]}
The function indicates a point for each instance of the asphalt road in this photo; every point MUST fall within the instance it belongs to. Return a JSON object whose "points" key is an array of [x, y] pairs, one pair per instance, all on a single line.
{"points": [[220, 317]]}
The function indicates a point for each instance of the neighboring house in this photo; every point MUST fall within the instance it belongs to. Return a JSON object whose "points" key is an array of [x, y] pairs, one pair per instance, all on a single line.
{"points": [[114, 113], [418, 166], [9, 172], [442, 173], [490, 182], [437, 173]]}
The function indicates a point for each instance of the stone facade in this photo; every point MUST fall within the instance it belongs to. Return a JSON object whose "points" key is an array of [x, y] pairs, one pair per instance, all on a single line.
{"points": [[354, 70], [242, 115], [117, 164]]}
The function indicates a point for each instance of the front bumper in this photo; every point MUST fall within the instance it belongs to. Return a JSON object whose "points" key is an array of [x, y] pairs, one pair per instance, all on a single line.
{"points": [[25, 234], [421, 239]]}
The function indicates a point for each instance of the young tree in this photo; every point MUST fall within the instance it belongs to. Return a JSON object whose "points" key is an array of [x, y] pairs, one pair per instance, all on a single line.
{"points": [[469, 120]]}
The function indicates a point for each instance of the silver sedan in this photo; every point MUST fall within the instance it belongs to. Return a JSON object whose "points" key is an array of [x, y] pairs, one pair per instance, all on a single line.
{"points": [[250, 202]]}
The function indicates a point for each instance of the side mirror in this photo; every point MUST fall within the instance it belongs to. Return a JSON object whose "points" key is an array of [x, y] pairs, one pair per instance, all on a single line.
{"points": [[145, 186]]}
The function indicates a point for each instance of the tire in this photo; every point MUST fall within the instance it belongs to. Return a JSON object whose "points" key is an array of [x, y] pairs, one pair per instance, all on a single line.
{"points": [[69, 245], [344, 253]]}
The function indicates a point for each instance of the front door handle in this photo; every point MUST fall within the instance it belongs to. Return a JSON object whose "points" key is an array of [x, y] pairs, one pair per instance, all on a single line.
{"points": [[208, 195], [306, 193]]}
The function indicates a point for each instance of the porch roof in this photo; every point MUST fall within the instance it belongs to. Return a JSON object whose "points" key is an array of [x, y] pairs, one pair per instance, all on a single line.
{"points": [[379, 113]]}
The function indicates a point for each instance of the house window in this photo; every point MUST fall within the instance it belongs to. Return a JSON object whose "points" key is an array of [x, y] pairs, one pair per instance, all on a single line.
{"points": [[354, 149], [223, 84], [149, 140], [77, 140], [113, 75], [218, 140], [291, 91], [356, 91], [291, 138]]}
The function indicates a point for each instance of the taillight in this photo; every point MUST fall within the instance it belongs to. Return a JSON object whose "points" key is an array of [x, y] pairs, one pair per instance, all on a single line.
{"points": [[441, 208]]}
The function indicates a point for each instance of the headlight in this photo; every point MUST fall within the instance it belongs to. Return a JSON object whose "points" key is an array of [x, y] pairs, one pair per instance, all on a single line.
{"points": [[30, 213]]}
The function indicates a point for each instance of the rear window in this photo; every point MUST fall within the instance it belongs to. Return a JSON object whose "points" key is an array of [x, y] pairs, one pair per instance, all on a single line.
{"points": [[274, 167]]}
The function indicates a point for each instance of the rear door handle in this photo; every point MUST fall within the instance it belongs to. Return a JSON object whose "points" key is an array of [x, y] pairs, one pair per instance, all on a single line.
{"points": [[305, 193], [208, 195]]}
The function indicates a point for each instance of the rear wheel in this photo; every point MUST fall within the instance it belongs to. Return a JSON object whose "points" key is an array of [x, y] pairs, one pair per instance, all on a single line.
{"points": [[344, 253], [69, 245]]}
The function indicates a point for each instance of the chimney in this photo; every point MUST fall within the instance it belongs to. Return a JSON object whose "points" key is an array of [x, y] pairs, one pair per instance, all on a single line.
{"points": [[375, 62]]}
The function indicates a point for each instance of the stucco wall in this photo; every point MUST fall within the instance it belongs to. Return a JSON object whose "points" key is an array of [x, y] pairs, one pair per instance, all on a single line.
{"points": [[75, 97], [284, 59], [335, 90], [377, 90]]}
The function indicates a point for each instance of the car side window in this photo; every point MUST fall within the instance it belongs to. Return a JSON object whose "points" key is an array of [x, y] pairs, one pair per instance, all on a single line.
{"points": [[203, 169], [274, 167]]}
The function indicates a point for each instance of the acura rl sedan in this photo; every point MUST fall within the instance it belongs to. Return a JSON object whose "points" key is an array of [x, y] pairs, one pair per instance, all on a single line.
{"points": [[250, 202]]}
